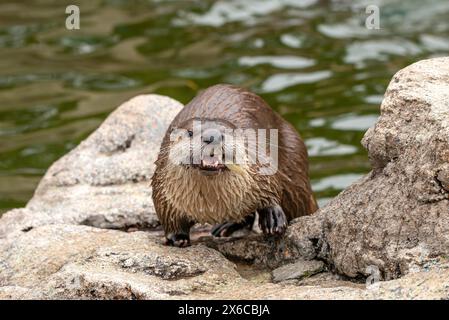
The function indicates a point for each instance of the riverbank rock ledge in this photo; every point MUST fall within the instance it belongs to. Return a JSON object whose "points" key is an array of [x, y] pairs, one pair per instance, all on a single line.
{"points": [[104, 181], [90, 230], [396, 218]]}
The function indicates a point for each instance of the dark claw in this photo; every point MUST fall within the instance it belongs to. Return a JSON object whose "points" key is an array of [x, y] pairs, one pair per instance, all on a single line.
{"points": [[272, 220], [178, 240], [226, 229], [223, 229]]}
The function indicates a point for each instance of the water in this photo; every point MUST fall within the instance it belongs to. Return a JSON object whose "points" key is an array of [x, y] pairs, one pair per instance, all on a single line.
{"points": [[313, 61]]}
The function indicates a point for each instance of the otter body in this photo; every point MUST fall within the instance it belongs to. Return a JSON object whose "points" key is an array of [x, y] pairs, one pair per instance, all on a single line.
{"points": [[213, 189]]}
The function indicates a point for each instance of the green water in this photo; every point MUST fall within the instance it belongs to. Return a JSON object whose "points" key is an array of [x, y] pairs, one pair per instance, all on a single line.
{"points": [[313, 61]]}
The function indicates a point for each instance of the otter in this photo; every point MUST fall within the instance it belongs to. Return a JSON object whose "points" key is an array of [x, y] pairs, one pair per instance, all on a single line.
{"points": [[199, 180]]}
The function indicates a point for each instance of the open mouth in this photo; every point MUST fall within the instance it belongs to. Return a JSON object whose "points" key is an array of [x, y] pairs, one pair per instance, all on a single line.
{"points": [[211, 166]]}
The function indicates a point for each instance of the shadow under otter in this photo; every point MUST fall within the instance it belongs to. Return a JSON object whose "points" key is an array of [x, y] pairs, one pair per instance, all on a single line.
{"points": [[208, 171]]}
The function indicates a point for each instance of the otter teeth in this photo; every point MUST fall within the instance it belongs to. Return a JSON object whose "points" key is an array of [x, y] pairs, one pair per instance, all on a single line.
{"points": [[210, 165]]}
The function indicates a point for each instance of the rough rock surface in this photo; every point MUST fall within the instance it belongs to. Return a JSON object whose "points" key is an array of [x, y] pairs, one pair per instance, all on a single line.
{"points": [[396, 218], [68, 261], [297, 270], [105, 181], [81, 262]]}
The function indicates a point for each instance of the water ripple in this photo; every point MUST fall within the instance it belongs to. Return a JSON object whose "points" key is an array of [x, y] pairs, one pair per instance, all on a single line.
{"points": [[280, 81]]}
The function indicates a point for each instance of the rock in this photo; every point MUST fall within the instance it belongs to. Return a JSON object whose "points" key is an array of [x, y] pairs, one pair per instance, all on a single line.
{"points": [[396, 218], [15, 293], [298, 270], [432, 284], [302, 242], [105, 181], [82, 262], [255, 249], [68, 261]]}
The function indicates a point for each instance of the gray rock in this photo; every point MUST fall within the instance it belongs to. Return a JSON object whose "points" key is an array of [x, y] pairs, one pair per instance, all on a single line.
{"points": [[105, 181], [81, 262], [396, 218], [69, 261], [255, 249], [297, 270]]}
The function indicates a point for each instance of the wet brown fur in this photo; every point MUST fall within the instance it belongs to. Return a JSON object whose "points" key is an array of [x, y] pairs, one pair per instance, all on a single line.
{"points": [[175, 192]]}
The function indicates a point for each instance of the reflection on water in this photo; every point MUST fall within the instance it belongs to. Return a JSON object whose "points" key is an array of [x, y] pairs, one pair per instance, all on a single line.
{"points": [[312, 60], [352, 121], [247, 12], [324, 147], [281, 81], [283, 62]]}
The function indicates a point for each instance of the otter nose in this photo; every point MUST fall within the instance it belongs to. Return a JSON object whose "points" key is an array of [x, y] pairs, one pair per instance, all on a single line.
{"points": [[208, 139], [211, 136]]}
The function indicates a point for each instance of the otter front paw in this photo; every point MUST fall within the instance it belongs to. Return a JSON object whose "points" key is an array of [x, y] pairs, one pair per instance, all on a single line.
{"points": [[178, 240], [228, 228], [224, 229], [272, 220]]}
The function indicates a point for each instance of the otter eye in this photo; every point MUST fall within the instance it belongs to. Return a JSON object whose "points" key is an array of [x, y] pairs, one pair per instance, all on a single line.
{"points": [[190, 132]]}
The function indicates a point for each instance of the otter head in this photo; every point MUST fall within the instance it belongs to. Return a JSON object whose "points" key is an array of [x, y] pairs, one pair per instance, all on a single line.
{"points": [[208, 172], [207, 146]]}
